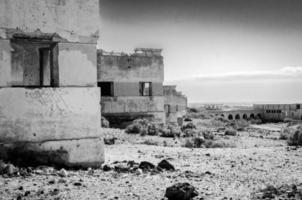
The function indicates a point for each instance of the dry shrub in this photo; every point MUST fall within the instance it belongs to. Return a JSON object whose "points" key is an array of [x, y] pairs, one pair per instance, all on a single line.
{"points": [[218, 144], [295, 137], [189, 133], [208, 135], [194, 142], [170, 130], [240, 125], [192, 110], [188, 143], [213, 123], [134, 128], [218, 122], [287, 120], [255, 121], [150, 142], [284, 134], [189, 125], [143, 127], [200, 142], [230, 132]]}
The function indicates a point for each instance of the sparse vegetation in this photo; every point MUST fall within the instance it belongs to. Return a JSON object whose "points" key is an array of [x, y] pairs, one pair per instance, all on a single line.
{"points": [[208, 135], [240, 125], [189, 125], [284, 134], [295, 137], [230, 132], [200, 142], [150, 142], [152, 128]]}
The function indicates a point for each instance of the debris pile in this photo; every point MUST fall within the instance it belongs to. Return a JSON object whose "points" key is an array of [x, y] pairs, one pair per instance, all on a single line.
{"points": [[283, 192], [138, 168]]}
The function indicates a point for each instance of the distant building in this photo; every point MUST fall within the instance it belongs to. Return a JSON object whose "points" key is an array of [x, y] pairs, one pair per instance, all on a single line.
{"points": [[278, 112], [175, 104], [131, 85], [213, 106], [49, 98]]}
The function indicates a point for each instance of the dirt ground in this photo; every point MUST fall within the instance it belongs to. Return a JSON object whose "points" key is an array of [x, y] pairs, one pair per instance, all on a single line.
{"points": [[257, 159]]}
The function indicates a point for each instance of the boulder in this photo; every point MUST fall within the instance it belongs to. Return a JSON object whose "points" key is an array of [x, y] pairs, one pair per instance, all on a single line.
{"points": [[181, 191], [164, 164], [146, 166]]}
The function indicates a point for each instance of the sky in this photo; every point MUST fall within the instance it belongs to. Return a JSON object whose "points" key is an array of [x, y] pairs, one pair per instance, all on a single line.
{"points": [[215, 50]]}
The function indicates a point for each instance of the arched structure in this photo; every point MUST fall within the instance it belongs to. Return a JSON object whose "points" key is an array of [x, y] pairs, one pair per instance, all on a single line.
{"points": [[252, 116], [244, 116], [230, 117], [237, 116]]}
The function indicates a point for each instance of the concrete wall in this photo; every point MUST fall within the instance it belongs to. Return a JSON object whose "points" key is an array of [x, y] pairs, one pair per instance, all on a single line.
{"points": [[77, 64], [35, 115], [130, 68], [58, 124], [126, 72], [175, 104], [72, 24], [5, 62], [132, 104], [71, 20]]}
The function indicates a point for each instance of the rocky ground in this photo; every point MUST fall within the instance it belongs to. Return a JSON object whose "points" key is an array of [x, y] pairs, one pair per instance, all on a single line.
{"points": [[257, 166]]}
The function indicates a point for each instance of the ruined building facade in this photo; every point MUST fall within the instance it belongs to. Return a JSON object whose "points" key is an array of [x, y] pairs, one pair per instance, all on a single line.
{"points": [[131, 85], [175, 104], [279, 112], [49, 97]]}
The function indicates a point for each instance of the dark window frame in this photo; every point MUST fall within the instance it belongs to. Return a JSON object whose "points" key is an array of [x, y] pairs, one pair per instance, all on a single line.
{"points": [[111, 89], [142, 88], [54, 64]]}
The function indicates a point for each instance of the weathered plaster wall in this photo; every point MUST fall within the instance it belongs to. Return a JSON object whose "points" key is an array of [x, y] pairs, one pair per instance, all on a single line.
{"points": [[175, 104], [36, 115], [130, 68], [278, 112], [49, 126], [132, 89], [131, 104], [126, 72], [73, 20], [77, 64], [5, 63]]}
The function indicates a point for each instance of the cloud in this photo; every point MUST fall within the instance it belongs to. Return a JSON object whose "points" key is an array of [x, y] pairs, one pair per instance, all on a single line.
{"points": [[286, 73]]}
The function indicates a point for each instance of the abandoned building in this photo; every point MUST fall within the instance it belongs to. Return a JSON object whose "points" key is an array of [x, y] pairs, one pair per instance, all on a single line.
{"points": [[48, 82], [265, 112], [175, 104], [131, 85], [279, 112]]}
